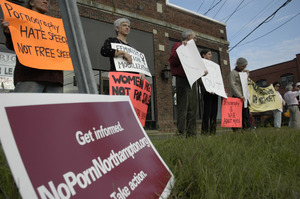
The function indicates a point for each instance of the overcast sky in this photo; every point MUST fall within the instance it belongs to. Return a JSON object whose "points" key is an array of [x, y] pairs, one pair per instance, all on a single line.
{"points": [[281, 42]]}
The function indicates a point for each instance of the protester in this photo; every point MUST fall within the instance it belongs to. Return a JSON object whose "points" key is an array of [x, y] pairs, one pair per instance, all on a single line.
{"points": [[187, 100], [297, 87], [236, 89], [290, 98], [278, 113], [206, 54], [209, 119], [122, 28], [28, 79]]}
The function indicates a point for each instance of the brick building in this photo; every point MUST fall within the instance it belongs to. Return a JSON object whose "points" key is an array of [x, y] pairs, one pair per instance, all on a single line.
{"points": [[285, 73], [155, 26]]}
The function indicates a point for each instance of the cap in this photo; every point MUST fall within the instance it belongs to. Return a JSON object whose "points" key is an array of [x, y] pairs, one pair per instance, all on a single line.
{"points": [[297, 84], [241, 61]]}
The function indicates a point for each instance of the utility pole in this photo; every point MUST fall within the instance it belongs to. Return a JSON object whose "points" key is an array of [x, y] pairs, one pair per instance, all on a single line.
{"points": [[78, 49]]}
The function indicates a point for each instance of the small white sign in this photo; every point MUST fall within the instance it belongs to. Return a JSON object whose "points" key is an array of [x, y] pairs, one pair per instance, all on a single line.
{"points": [[244, 81], [7, 67], [191, 61], [139, 63], [213, 81]]}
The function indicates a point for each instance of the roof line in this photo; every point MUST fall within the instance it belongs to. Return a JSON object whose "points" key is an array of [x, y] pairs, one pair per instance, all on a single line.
{"points": [[194, 13]]}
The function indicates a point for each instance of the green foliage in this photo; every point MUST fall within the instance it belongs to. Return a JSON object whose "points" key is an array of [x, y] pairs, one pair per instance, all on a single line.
{"points": [[256, 164]]}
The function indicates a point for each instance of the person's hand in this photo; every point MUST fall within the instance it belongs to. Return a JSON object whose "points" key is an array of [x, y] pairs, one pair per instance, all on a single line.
{"points": [[127, 57], [184, 43], [242, 98], [4, 26], [142, 76], [212, 93], [205, 72]]}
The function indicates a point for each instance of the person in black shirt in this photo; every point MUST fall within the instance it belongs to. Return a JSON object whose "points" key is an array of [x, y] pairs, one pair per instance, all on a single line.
{"points": [[122, 28]]}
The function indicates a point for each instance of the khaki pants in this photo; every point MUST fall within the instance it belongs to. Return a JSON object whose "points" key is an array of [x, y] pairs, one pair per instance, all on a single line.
{"points": [[294, 117]]}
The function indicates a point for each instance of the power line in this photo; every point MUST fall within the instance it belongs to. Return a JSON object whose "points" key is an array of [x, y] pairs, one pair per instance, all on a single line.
{"points": [[212, 4], [220, 9], [212, 7], [234, 11], [271, 30], [237, 10], [251, 20], [200, 5], [271, 16]]}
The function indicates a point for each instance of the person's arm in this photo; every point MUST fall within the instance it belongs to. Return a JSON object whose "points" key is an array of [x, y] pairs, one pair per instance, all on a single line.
{"points": [[174, 59], [296, 93], [107, 51], [6, 31]]}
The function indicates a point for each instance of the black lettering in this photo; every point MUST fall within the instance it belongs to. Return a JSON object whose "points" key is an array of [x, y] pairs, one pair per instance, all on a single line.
{"points": [[120, 90], [63, 54], [25, 49]]}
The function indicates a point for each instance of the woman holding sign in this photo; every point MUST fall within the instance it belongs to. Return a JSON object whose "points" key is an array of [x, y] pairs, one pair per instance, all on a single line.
{"points": [[122, 28], [209, 119], [27, 79], [237, 90]]}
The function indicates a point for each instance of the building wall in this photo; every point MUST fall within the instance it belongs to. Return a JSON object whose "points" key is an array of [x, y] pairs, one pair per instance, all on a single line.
{"points": [[274, 72]]}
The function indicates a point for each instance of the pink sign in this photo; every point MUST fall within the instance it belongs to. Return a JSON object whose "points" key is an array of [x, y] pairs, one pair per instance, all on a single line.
{"points": [[138, 90], [232, 112], [86, 150]]}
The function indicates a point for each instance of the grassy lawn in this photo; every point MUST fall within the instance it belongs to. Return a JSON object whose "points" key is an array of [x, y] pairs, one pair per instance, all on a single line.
{"points": [[257, 164]]}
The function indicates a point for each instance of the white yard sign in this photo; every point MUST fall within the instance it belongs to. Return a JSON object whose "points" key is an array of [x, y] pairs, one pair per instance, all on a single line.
{"points": [[7, 67], [244, 81], [139, 63], [191, 61], [213, 81]]}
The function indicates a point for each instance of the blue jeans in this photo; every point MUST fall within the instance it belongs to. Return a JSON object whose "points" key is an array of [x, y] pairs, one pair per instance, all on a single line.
{"points": [[38, 87]]}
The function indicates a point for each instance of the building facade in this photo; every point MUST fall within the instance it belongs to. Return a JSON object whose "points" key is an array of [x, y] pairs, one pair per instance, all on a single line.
{"points": [[286, 73], [155, 26]]}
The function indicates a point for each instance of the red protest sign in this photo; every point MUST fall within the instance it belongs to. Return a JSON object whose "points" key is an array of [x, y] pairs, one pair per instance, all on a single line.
{"points": [[83, 148], [139, 91], [232, 112]]}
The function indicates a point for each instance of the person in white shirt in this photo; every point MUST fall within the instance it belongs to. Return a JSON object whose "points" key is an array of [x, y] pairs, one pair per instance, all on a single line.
{"points": [[278, 112], [297, 88], [290, 98]]}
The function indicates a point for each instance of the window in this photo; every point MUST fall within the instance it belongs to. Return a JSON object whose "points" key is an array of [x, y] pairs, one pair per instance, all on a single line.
{"points": [[287, 79], [261, 83]]}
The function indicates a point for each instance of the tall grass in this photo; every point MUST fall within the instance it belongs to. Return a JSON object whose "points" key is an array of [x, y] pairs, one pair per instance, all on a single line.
{"points": [[8, 189], [256, 164]]}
